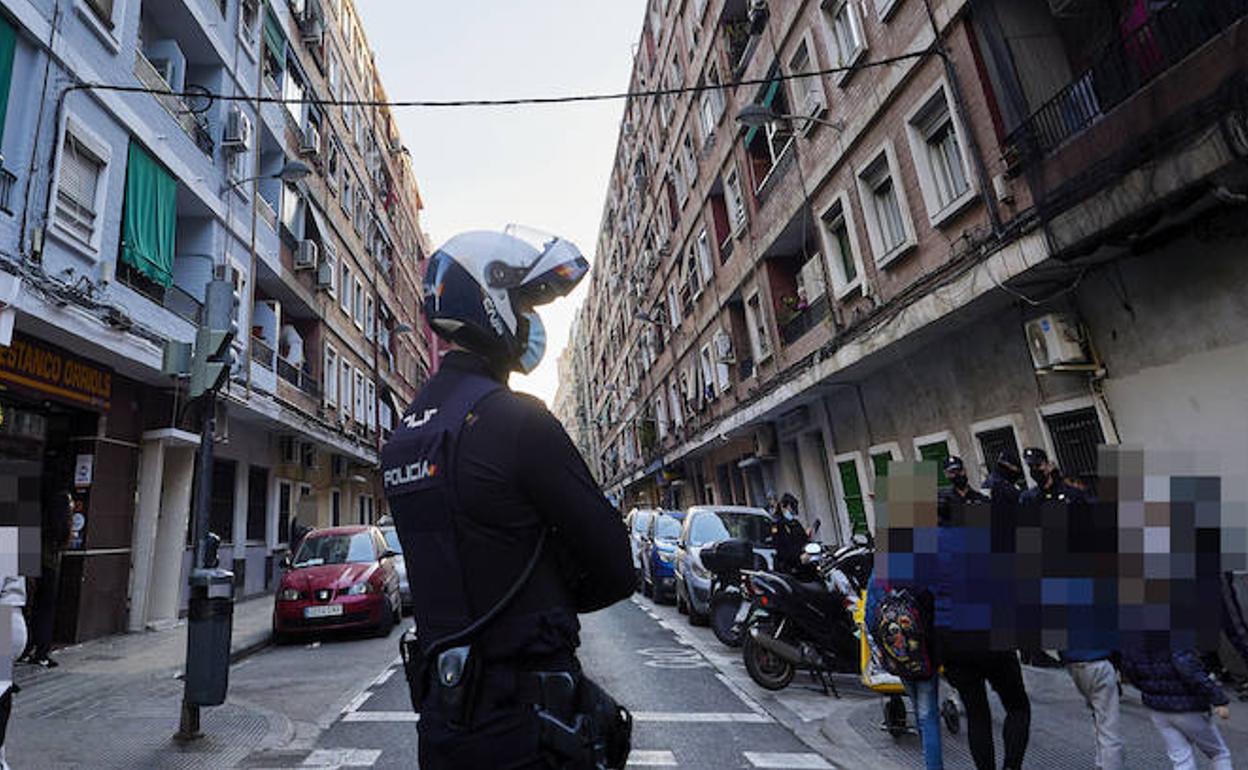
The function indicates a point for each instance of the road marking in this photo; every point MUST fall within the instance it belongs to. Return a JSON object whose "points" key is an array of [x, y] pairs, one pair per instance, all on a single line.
{"points": [[383, 678], [707, 717], [736, 689], [789, 761], [381, 716], [342, 758], [357, 701], [651, 759]]}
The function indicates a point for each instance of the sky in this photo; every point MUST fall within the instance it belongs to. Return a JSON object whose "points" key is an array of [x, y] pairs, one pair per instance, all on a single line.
{"points": [[543, 166]]}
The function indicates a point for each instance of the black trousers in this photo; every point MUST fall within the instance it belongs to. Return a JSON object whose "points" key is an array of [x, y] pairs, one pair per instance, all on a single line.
{"points": [[6, 708], [969, 673], [43, 615]]}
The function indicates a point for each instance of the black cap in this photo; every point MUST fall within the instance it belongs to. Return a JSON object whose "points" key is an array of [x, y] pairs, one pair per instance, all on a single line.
{"points": [[1009, 460], [954, 463], [1035, 456]]}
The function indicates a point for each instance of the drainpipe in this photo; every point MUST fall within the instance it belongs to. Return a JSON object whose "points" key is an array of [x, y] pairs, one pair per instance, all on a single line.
{"points": [[255, 193], [977, 155]]}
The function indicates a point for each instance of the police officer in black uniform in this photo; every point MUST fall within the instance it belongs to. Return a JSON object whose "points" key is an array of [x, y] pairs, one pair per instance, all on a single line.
{"points": [[788, 536], [505, 533], [1050, 483], [959, 491]]}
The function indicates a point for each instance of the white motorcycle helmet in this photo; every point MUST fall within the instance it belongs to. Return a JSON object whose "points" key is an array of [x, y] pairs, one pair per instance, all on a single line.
{"points": [[481, 289]]}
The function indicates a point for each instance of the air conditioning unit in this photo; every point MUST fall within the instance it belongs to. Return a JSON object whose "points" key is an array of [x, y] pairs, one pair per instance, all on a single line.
{"points": [[324, 275], [238, 130], [312, 28], [307, 255], [1054, 339], [723, 349], [765, 442], [288, 450], [310, 142]]}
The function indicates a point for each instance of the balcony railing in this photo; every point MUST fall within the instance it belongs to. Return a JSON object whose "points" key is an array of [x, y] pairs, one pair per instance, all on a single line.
{"points": [[262, 354], [805, 320], [268, 214], [7, 182], [300, 378], [182, 304], [1122, 68], [196, 126]]}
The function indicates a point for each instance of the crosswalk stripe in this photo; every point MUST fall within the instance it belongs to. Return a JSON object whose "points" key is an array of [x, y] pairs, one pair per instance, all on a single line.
{"points": [[342, 758], [786, 760], [709, 717], [651, 759], [358, 701], [381, 716]]}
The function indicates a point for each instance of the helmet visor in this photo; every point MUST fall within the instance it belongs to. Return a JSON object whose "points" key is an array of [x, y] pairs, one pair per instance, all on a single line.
{"points": [[557, 270]]}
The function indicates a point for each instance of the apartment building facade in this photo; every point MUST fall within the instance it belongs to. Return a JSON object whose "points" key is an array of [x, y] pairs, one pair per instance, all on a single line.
{"points": [[145, 153], [961, 235]]}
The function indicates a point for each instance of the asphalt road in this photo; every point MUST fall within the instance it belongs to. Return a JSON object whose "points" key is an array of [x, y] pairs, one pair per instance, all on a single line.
{"points": [[348, 702]]}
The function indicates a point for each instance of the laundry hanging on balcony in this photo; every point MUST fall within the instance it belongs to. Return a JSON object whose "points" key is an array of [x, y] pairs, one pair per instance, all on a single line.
{"points": [[8, 45], [151, 216]]}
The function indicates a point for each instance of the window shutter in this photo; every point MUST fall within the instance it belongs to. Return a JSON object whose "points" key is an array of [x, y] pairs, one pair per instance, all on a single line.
{"points": [[8, 46]]}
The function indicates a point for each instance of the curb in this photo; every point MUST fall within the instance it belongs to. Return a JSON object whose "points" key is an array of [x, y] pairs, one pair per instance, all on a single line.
{"points": [[251, 647]]}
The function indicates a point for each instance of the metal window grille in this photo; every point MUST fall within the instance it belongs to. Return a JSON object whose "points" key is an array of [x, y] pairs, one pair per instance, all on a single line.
{"points": [[1076, 436], [994, 442]]}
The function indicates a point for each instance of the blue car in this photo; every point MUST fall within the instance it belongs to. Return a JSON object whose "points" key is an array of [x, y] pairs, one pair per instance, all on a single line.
{"points": [[658, 574]]}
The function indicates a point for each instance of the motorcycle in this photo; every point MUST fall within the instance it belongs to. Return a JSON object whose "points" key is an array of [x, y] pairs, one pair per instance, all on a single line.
{"points": [[801, 625], [728, 609]]}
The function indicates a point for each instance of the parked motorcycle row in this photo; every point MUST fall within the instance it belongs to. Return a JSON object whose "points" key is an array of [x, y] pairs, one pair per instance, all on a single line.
{"points": [[716, 564]]}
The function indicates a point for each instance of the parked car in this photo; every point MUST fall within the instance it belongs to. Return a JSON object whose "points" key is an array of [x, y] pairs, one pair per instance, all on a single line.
{"points": [[638, 521], [400, 565], [658, 572], [706, 524], [341, 577]]}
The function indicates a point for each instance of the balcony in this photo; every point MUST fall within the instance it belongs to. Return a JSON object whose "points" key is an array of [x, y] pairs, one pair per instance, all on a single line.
{"points": [[299, 378], [1122, 68], [267, 213], [196, 126], [263, 354], [802, 321]]}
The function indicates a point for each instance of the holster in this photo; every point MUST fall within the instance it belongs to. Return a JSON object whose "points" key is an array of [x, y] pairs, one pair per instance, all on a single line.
{"points": [[447, 682], [581, 725]]}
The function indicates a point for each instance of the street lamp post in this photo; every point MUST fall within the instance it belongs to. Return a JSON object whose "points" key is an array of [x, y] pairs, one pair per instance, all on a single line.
{"points": [[757, 116]]}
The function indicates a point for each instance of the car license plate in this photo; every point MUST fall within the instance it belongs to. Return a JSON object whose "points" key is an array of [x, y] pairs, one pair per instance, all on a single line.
{"points": [[322, 611], [742, 611]]}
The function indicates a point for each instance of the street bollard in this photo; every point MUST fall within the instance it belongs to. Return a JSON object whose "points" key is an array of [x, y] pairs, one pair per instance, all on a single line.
{"points": [[209, 625]]}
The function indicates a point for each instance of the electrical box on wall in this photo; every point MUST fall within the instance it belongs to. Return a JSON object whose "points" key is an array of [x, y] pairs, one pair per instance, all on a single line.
{"points": [[1054, 339]]}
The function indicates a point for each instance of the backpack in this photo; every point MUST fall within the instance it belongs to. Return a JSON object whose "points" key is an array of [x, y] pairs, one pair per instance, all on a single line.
{"points": [[900, 631]]}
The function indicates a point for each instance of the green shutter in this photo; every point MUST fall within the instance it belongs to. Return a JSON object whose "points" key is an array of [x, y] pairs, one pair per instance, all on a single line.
{"points": [[8, 46], [273, 37], [937, 453], [768, 98], [149, 224], [853, 495], [880, 464]]}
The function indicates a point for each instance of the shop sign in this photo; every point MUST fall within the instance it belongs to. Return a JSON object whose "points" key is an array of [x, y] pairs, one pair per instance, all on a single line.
{"points": [[56, 373], [84, 468]]}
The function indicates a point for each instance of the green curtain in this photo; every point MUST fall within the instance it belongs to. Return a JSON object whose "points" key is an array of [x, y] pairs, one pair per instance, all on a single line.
{"points": [[274, 38], [853, 495], [8, 46], [936, 453], [150, 219]]}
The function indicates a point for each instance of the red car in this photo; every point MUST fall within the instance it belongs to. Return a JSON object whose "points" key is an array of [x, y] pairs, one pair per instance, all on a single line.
{"points": [[342, 577]]}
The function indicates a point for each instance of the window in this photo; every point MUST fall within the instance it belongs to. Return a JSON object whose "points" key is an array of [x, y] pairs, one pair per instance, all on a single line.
{"points": [[842, 254], [756, 318], [847, 44], [329, 377], [936, 146], [293, 93], [335, 508], [884, 203], [705, 265], [994, 441], [711, 104], [1076, 435], [369, 317], [344, 301], [736, 203], [693, 273], [708, 373], [660, 415], [767, 145], [331, 166], [347, 201], [851, 492], [809, 99], [329, 256], [673, 304], [370, 404], [673, 395], [936, 451], [78, 186], [344, 393], [690, 160], [285, 494], [677, 176], [881, 456], [103, 10], [357, 307], [885, 8], [361, 399], [334, 66], [248, 15]]}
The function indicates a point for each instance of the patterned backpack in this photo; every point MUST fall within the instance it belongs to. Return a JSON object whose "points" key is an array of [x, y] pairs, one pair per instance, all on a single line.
{"points": [[901, 634]]}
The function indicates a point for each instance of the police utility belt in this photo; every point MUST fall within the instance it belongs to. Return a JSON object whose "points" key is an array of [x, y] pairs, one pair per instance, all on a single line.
{"points": [[581, 725]]}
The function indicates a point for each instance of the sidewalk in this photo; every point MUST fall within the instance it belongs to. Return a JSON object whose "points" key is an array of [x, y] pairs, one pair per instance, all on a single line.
{"points": [[115, 702], [1061, 730]]}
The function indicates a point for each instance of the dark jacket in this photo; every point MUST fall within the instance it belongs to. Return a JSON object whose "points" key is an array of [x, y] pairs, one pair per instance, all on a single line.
{"points": [[1173, 681]]}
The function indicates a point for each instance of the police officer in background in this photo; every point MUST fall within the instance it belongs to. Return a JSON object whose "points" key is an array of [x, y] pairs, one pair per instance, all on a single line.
{"points": [[788, 536], [959, 491], [505, 533]]}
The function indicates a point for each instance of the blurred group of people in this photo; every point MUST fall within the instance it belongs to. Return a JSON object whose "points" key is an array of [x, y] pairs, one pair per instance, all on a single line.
{"points": [[1177, 688]]}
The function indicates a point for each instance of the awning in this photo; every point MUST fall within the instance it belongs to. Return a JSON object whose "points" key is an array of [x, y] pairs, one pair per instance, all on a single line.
{"points": [[151, 217], [318, 220], [273, 37]]}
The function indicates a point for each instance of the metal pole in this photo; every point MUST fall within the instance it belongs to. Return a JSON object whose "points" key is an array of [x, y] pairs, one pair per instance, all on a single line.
{"points": [[188, 728]]}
